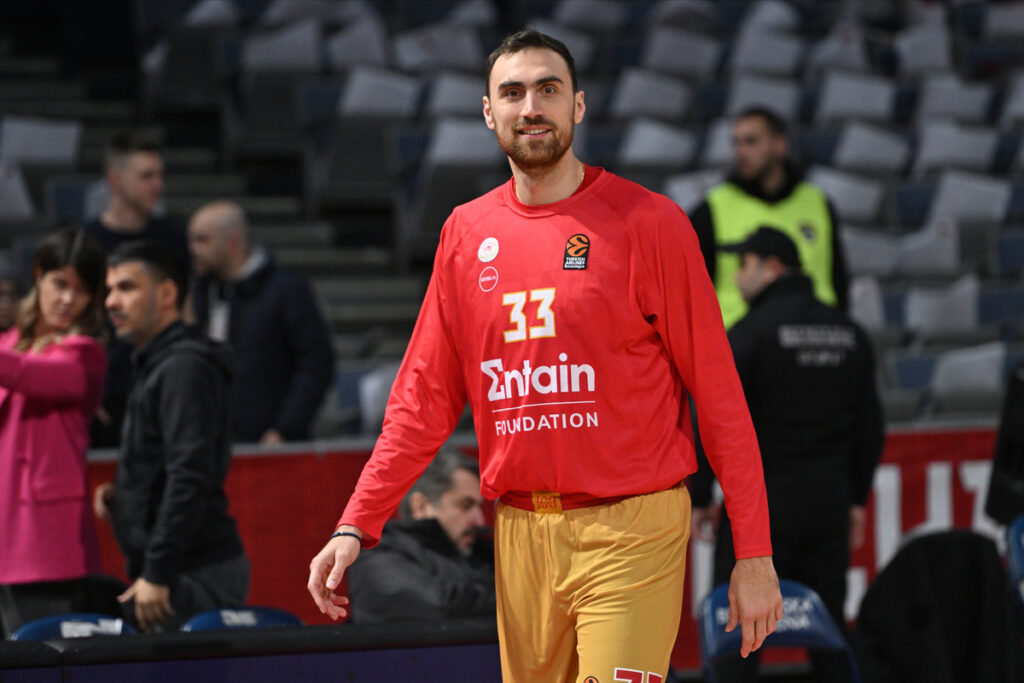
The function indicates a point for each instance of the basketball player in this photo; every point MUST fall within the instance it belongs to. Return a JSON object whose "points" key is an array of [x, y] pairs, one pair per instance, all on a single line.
{"points": [[572, 309]]}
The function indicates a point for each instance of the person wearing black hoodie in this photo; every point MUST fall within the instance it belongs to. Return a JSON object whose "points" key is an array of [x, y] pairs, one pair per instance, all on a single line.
{"points": [[764, 188], [808, 376], [167, 502]]}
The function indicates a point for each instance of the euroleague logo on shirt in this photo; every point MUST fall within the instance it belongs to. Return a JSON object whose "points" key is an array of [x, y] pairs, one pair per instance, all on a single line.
{"points": [[577, 250]]}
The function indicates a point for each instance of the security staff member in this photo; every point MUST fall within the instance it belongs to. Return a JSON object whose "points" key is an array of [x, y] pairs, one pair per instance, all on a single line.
{"points": [[809, 379], [765, 189]]}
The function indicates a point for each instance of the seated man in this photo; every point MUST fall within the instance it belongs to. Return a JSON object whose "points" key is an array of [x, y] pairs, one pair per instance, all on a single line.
{"points": [[434, 561]]}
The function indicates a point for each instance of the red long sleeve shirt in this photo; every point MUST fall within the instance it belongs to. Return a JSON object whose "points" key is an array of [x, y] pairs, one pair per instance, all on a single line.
{"points": [[575, 331]]}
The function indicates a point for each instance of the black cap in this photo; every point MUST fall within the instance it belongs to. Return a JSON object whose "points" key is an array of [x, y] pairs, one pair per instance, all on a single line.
{"points": [[765, 242]]}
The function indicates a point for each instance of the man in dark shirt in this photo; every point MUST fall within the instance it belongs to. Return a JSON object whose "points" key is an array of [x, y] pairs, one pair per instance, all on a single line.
{"points": [[808, 376], [284, 361], [167, 503], [135, 175], [435, 561]]}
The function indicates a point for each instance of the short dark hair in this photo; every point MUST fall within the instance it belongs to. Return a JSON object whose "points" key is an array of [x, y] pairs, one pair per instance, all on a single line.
{"points": [[776, 124], [159, 260], [437, 478], [525, 40], [128, 142]]}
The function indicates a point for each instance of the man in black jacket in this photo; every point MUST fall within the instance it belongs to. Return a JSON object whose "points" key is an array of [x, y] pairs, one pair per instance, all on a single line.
{"points": [[808, 375], [283, 357], [435, 562], [167, 503]]}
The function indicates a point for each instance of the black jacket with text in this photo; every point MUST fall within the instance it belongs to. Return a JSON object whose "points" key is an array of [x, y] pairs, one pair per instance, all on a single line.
{"points": [[808, 374]]}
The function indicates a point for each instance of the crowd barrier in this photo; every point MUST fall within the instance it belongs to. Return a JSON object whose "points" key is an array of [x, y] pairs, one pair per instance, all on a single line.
{"points": [[288, 499]]}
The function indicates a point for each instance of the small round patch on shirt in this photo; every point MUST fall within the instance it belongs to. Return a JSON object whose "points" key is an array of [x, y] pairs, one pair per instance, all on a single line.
{"points": [[488, 250], [488, 278]]}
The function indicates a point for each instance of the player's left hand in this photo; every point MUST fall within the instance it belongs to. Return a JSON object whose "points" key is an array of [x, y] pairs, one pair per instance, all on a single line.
{"points": [[755, 601], [152, 602]]}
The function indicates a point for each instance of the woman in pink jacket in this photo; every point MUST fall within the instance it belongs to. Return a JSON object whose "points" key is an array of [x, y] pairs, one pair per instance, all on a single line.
{"points": [[52, 367]]}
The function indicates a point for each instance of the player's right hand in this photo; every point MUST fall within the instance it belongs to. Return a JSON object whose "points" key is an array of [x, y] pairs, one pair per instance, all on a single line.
{"points": [[326, 571]]}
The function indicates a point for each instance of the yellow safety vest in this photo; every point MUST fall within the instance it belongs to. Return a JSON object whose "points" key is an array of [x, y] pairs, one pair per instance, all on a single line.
{"points": [[803, 215]]}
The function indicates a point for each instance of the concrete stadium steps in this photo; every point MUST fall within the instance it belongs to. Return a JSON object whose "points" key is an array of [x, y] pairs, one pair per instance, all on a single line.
{"points": [[43, 90], [262, 209], [308, 234], [14, 67], [176, 159], [82, 110], [317, 261], [342, 290], [205, 184]]}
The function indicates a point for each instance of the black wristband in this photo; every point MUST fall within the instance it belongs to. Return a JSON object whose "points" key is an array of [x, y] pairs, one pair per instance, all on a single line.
{"points": [[347, 533]]}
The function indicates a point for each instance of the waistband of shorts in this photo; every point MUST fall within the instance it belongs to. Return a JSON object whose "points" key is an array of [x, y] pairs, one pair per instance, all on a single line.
{"points": [[550, 502]]}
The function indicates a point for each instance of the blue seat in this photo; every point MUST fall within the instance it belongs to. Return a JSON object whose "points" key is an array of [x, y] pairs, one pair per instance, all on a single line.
{"points": [[1015, 557], [76, 625], [242, 617], [805, 623]]}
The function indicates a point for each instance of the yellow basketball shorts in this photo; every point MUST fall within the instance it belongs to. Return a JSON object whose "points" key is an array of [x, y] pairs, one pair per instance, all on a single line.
{"points": [[593, 594]]}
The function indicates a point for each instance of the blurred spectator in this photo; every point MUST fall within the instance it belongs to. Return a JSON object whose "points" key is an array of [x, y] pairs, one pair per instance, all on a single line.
{"points": [[283, 356], [1005, 501], [434, 562], [808, 375], [10, 293], [135, 174], [167, 503], [765, 188], [51, 379]]}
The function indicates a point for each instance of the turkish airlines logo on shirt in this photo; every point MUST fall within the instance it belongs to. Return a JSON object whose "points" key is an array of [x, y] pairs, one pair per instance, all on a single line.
{"points": [[577, 249]]}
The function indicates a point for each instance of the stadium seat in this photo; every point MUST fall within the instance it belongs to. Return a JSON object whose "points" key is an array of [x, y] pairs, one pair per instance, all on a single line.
{"points": [[923, 48], [453, 94], [77, 625], [438, 46], [945, 144], [947, 96], [241, 617], [868, 148], [591, 15], [943, 309], [850, 95], [653, 144], [865, 302], [293, 47], [971, 198], [760, 51], [681, 53], [717, 151], [805, 623], [15, 201], [582, 46], [364, 41], [688, 189], [843, 48], [932, 250], [777, 94], [640, 92], [30, 139], [856, 198], [1004, 20], [1013, 106], [969, 380], [870, 252]]}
